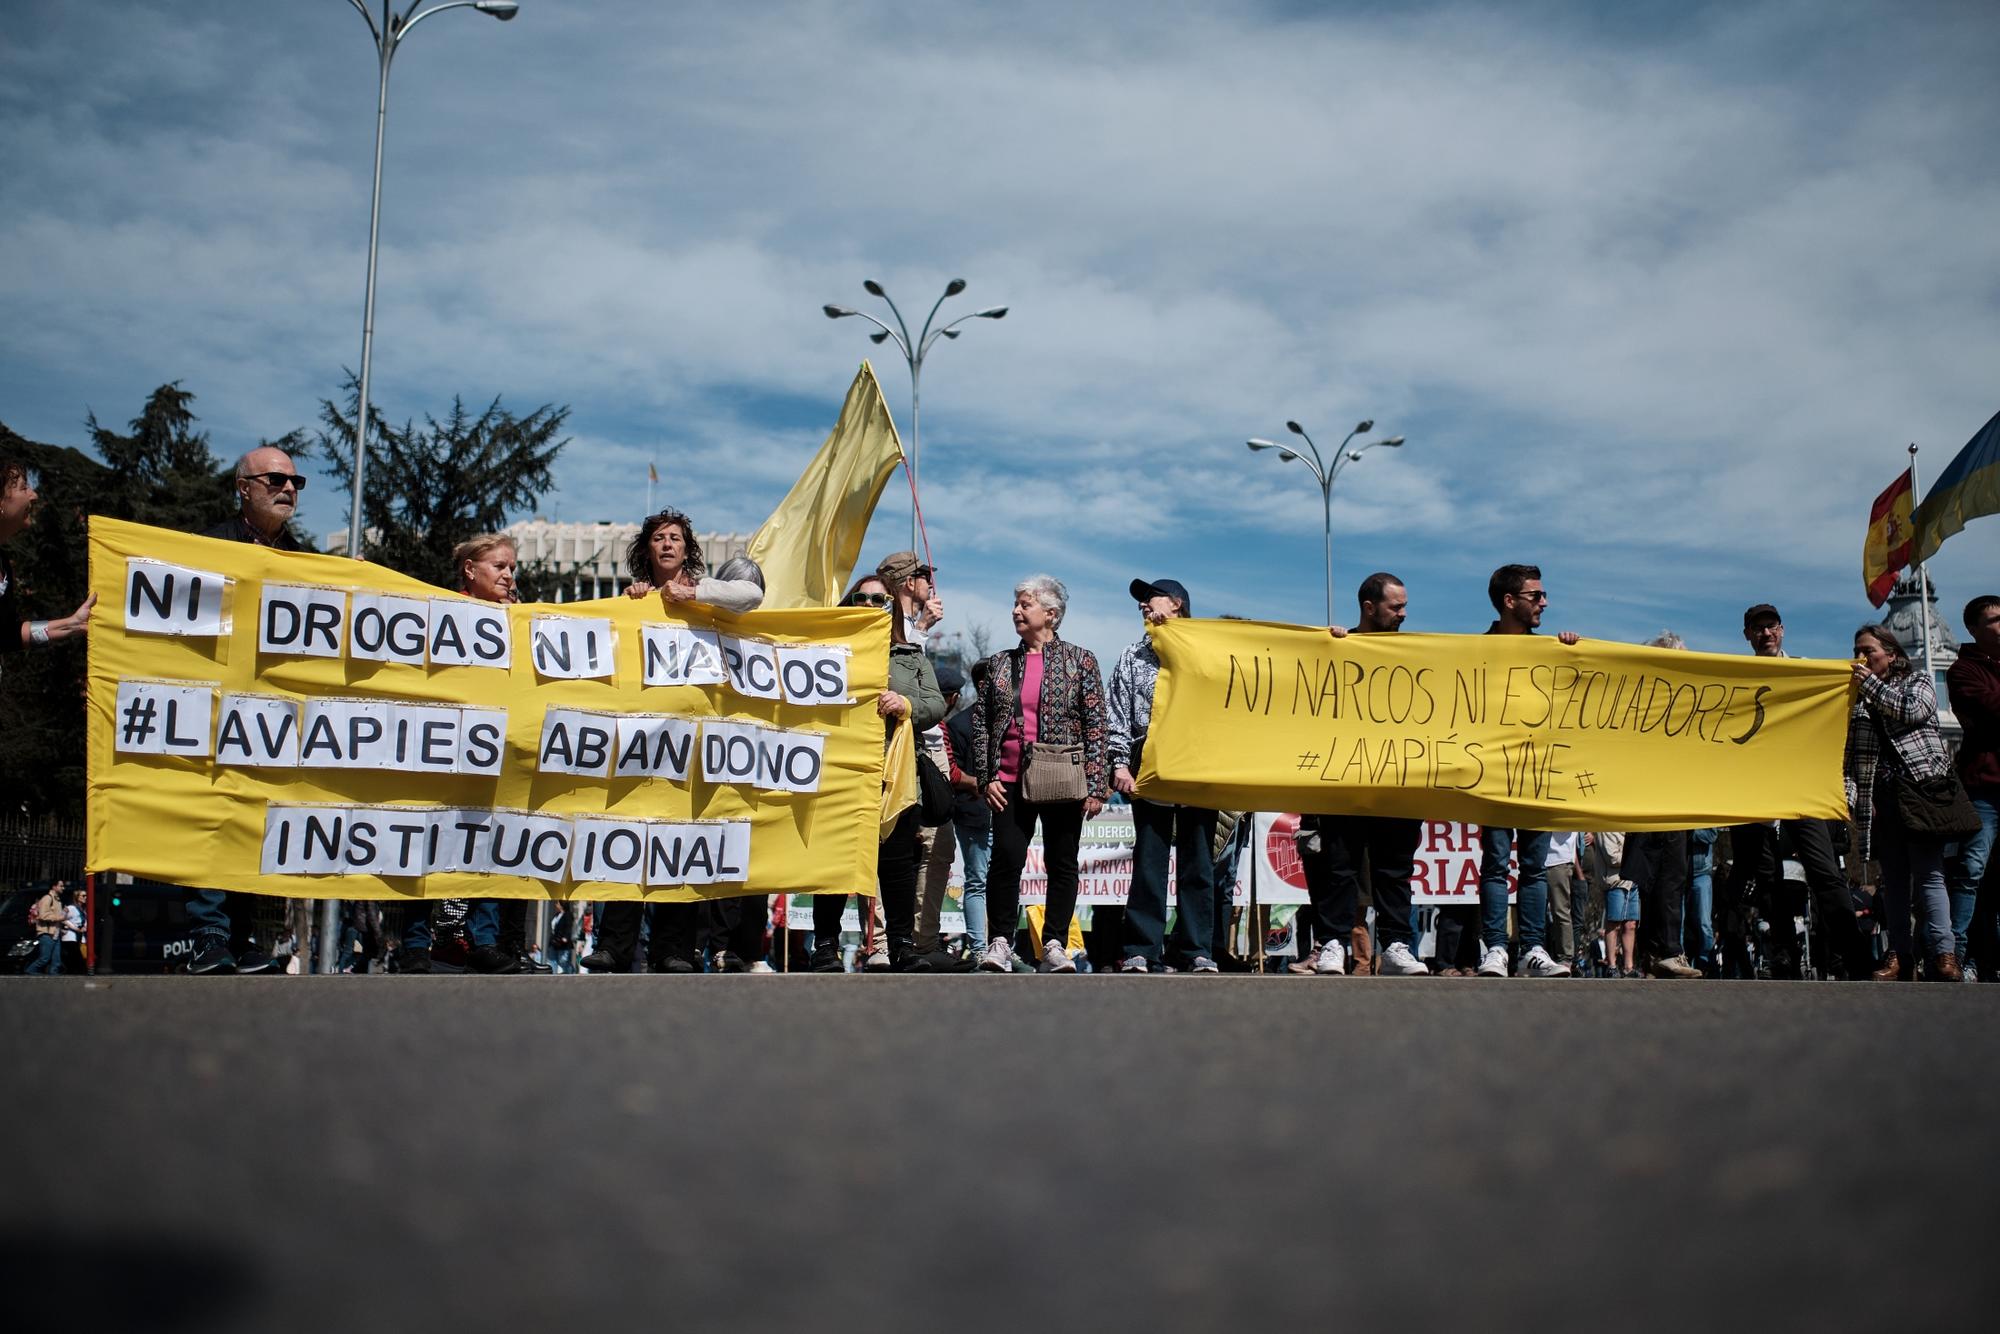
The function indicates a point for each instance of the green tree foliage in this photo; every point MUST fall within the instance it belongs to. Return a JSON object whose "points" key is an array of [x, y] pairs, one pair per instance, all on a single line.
{"points": [[162, 473], [429, 488]]}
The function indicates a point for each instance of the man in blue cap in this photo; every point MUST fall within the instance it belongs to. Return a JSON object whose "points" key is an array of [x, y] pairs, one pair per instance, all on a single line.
{"points": [[1186, 831]]}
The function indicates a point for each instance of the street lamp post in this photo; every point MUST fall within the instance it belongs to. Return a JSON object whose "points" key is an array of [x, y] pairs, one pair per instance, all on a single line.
{"points": [[1324, 473], [914, 351], [388, 35]]}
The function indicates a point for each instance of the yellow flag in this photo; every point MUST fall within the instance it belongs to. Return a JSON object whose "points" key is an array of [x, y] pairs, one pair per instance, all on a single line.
{"points": [[807, 548], [899, 777]]}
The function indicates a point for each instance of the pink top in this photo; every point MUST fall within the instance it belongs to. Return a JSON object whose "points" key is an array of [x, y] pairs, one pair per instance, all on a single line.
{"points": [[1021, 732]]}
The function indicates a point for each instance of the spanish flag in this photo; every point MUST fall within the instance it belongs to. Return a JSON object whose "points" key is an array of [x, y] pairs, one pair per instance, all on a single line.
{"points": [[1967, 488], [1888, 547]]}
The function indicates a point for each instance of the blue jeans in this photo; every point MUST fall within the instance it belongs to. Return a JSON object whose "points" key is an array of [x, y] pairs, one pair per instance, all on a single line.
{"points": [[1531, 906], [482, 924], [48, 956], [1700, 935], [1187, 832], [208, 915], [975, 847], [1968, 868], [1912, 876]]}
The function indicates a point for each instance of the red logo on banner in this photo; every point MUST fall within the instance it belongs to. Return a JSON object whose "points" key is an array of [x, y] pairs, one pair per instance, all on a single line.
{"points": [[1282, 851]]}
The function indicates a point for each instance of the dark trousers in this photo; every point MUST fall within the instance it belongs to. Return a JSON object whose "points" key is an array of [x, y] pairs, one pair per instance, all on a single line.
{"points": [[1658, 864], [736, 926], [895, 881], [1757, 856], [1188, 833], [1062, 830], [1457, 936], [1388, 848], [672, 934]]}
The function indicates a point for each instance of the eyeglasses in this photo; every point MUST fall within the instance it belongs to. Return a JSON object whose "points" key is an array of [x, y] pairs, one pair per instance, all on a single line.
{"points": [[1537, 596], [276, 480], [870, 600]]}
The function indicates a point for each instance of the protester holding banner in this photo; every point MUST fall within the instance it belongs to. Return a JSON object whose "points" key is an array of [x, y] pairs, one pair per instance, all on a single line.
{"points": [[737, 926], [912, 700], [1974, 683], [1039, 748], [1893, 748], [1185, 832], [17, 500], [1660, 863], [1757, 851], [1517, 595]]}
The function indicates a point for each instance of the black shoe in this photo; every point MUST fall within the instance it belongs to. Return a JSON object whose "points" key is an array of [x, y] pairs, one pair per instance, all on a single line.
{"points": [[255, 961], [726, 962], [826, 959], [492, 960], [675, 964], [413, 961], [599, 961], [526, 963], [213, 959]]}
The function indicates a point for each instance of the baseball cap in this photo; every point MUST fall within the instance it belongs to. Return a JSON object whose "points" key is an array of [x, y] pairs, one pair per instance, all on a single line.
{"points": [[950, 679], [1143, 591], [1759, 612]]}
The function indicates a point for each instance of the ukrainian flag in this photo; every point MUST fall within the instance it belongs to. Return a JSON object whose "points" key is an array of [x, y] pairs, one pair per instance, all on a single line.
{"points": [[1966, 489]]}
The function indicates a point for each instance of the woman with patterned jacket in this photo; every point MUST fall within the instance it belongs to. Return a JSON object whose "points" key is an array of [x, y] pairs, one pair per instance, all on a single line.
{"points": [[1047, 691]]}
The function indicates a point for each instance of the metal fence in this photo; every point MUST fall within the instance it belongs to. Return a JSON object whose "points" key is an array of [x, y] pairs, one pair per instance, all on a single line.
{"points": [[34, 850]]}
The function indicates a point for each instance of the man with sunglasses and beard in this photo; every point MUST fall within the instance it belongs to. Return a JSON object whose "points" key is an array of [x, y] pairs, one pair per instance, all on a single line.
{"points": [[267, 494]]}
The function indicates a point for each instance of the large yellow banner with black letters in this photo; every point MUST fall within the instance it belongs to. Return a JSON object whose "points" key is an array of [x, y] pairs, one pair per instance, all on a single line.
{"points": [[306, 725], [1510, 730]]}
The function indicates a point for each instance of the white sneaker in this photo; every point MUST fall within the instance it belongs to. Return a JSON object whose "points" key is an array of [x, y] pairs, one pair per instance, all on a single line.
{"points": [[760, 967], [1493, 961], [1055, 959], [1134, 964], [1397, 961], [1203, 964], [1330, 959], [878, 958], [997, 957], [1537, 963]]}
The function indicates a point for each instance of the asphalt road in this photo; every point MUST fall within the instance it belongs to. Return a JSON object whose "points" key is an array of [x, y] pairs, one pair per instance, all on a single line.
{"points": [[985, 1153]]}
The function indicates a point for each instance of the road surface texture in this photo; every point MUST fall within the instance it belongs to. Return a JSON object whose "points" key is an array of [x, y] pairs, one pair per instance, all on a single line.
{"points": [[997, 1153]]}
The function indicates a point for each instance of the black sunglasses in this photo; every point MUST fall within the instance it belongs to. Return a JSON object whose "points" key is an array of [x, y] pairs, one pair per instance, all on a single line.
{"points": [[276, 480]]}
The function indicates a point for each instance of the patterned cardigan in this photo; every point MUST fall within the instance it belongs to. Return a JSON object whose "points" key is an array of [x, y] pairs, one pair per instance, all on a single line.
{"points": [[1904, 708], [1071, 712]]}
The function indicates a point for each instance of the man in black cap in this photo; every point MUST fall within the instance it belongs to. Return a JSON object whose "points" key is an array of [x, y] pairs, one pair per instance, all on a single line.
{"points": [[1187, 831], [1756, 855]]}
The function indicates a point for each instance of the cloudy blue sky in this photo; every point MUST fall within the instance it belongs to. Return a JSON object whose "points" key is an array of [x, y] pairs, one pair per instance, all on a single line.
{"points": [[1656, 296]]}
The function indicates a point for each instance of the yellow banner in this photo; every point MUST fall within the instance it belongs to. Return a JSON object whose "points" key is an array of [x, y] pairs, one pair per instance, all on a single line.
{"points": [[1511, 730], [311, 726]]}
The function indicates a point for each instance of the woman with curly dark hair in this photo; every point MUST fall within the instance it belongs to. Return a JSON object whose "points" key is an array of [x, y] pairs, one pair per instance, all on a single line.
{"points": [[665, 558]]}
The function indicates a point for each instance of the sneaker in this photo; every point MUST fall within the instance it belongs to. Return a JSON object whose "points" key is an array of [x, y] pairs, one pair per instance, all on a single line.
{"points": [[1397, 961], [1968, 971], [826, 958], [729, 962], [1133, 964], [760, 966], [1676, 969], [1055, 959], [254, 961], [1536, 963], [1203, 964], [997, 957], [878, 958], [492, 960], [1330, 960], [1492, 962], [214, 959], [1302, 967], [598, 961]]}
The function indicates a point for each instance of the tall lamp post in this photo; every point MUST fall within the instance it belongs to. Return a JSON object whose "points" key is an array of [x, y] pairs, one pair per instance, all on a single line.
{"points": [[1324, 472], [913, 351], [388, 35]]}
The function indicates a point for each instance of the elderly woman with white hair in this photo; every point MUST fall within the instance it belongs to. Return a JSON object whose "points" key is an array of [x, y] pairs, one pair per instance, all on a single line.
{"points": [[1038, 750]]}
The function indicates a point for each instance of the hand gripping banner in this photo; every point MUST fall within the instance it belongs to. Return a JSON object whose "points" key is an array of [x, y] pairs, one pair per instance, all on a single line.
{"points": [[307, 725], [1511, 730]]}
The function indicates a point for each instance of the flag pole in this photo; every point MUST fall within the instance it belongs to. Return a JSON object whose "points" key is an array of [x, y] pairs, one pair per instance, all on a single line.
{"points": [[1923, 576]]}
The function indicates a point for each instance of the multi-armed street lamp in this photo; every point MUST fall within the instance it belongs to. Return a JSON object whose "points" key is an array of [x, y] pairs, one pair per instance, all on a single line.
{"points": [[913, 351], [1324, 472], [389, 35]]}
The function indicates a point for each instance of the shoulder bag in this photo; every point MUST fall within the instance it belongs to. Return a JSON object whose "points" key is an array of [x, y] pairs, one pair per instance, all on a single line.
{"points": [[1049, 773]]}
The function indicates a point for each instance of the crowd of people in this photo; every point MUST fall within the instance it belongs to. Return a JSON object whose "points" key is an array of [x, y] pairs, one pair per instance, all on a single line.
{"points": [[1034, 740]]}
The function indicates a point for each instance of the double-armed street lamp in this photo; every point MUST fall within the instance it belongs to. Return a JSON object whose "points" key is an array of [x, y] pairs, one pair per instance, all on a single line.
{"points": [[1324, 471], [389, 35], [914, 351]]}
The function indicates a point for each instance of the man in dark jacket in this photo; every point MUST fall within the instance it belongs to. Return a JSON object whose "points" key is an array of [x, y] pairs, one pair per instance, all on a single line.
{"points": [[267, 493], [1974, 686]]}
